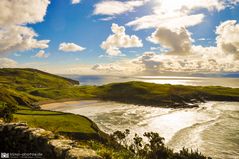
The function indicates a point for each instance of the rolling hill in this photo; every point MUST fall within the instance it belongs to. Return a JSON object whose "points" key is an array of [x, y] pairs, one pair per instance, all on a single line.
{"points": [[28, 86]]}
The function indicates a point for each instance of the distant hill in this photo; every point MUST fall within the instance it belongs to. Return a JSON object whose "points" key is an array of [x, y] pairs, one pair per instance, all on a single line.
{"points": [[232, 75], [19, 84], [33, 77], [144, 93]]}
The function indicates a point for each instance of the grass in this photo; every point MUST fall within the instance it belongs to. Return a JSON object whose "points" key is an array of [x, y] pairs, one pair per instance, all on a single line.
{"points": [[165, 94], [17, 85], [55, 121], [68, 124], [81, 92]]}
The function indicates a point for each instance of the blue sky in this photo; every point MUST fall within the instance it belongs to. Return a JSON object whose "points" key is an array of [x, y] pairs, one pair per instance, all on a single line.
{"points": [[164, 42], [75, 23]]}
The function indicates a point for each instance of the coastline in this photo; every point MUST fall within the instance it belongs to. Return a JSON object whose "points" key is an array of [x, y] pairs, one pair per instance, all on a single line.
{"points": [[49, 101], [56, 103], [192, 121]]}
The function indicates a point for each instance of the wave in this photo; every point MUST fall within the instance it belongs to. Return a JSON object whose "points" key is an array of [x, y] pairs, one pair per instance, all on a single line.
{"points": [[190, 136]]}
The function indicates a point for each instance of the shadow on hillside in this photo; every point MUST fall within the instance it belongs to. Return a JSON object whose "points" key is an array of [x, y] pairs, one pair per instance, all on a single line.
{"points": [[82, 136], [37, 114]]}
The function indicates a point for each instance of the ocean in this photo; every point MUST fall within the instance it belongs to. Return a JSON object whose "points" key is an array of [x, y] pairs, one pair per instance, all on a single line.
{"points": [[212, 128], [194, 81]]}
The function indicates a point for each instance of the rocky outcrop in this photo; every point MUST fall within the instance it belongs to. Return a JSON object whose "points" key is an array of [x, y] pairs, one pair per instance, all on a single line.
{"points": [[19, 138]]}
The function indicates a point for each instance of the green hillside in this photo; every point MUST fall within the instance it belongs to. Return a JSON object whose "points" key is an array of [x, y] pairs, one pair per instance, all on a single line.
{"points": [[165, 94], [23, 79], [28, 86]]}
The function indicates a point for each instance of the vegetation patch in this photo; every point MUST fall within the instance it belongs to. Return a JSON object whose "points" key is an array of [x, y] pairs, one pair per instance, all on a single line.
{"points": [[71, 125]]}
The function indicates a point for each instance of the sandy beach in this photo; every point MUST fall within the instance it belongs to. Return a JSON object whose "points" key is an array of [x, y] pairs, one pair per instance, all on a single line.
{"points": [[69, 104]]}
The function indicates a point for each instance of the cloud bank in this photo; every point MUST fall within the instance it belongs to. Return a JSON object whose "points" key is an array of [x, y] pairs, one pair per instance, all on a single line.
{"points": [[6, 62], [196, 58]]}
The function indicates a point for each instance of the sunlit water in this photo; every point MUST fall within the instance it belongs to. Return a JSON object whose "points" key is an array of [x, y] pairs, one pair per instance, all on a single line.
{"points": [[195, 81], [213, 128]]}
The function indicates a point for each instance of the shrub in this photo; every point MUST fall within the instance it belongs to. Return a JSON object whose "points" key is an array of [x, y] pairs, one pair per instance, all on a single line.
{"points": [[155, 147], [6, 112]]}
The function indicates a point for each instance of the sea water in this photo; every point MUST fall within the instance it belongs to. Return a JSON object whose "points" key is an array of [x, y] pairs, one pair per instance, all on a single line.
{"points": [[212, 128]]}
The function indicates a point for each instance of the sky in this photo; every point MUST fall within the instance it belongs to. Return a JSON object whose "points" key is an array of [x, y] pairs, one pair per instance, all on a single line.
{"points": [[121, 37]]}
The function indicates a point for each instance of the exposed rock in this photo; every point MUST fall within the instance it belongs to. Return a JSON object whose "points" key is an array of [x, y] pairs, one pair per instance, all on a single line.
{"points": [[61, 146], [19, 138], [82, 153]]}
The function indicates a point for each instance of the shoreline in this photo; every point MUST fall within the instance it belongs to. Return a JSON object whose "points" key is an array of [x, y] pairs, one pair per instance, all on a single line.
{"points": [[66, 102], [102, 135], [62, 100], [160, 105]]}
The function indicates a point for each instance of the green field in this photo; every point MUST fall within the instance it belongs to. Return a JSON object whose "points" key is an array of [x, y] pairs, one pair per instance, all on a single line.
{"points": [[67, 124], [58, 122]]}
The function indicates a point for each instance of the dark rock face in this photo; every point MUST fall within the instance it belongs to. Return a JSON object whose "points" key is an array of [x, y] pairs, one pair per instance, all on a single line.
{"points": [[19, 138]]}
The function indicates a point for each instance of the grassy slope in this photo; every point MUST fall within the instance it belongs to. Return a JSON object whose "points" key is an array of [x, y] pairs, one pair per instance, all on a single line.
{"points": [[165, 95], [26, 86], [22, 86], [63, 123]]}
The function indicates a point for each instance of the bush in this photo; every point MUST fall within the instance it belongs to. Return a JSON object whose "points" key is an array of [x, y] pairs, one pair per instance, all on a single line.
{"points": [[155, 147], [186, 154], [6, 112], [119, 137]]}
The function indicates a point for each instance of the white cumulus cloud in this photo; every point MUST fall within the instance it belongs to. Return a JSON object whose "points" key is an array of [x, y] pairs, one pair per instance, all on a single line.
{"points": [[19, 38], [228, 37], [22, 11], [119, 39], [178, 41], [70, 47], [15, 14], [41, 54], [115, 7], [222, 58], [6, 62]]}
